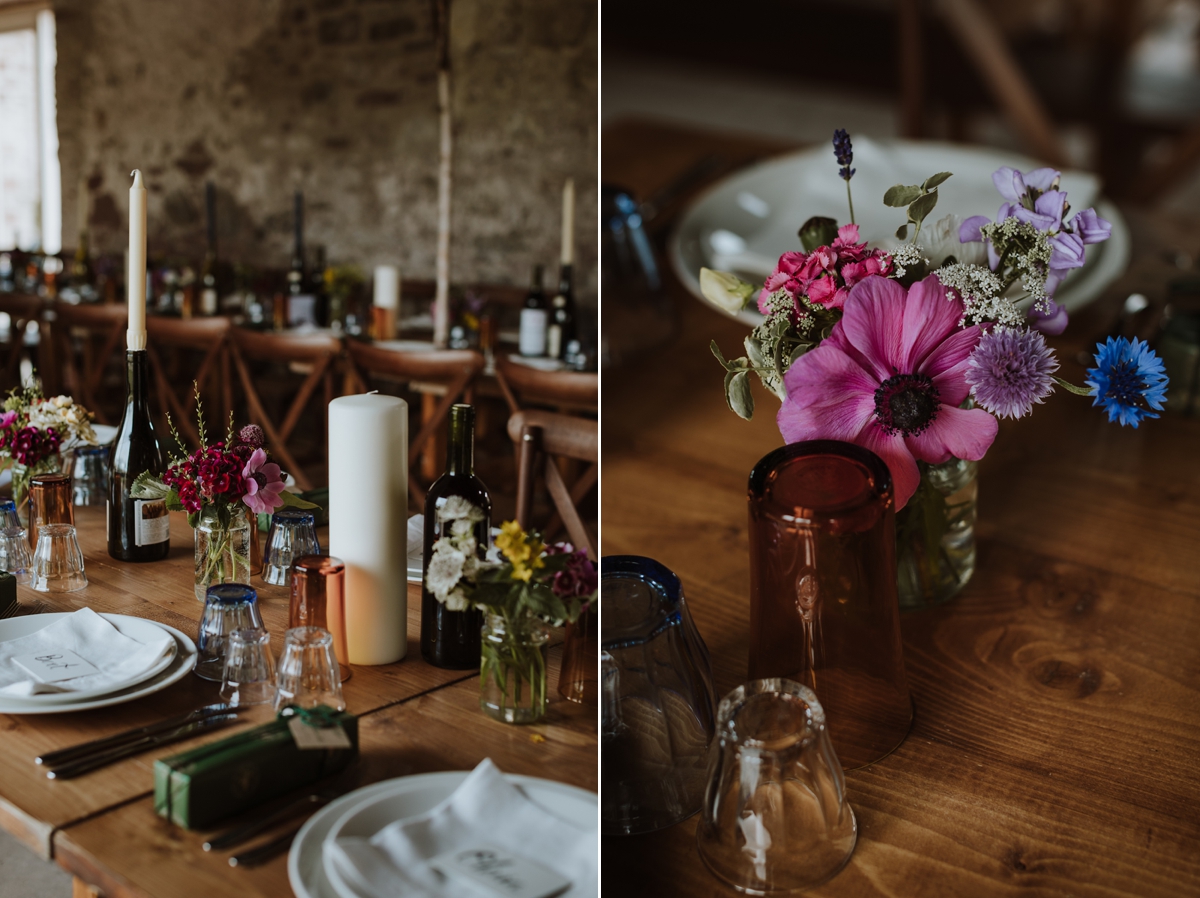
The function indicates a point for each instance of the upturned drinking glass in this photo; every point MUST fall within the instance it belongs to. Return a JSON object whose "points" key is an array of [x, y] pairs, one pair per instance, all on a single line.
{"points": [[15, 555], [57, 560], [307, 673], [823, 605], [656, 699], [293, 534], [8, 514], [775, 816], [89, 478], [227, 607], [248, 677]]}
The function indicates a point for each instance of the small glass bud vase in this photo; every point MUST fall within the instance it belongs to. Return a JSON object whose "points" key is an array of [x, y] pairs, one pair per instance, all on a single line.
{"points": [[222, 548], [512, 672], [935, 535]]}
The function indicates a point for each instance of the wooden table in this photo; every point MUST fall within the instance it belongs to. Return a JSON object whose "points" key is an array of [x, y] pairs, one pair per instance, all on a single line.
{"points": [[101, 827], [1056, 745]]}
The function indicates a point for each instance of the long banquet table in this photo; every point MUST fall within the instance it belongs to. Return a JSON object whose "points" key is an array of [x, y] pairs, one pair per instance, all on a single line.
{"points": [[101, 827], [1056, 744]]}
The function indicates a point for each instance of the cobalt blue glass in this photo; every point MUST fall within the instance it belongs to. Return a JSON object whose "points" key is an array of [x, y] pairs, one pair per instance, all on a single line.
{"points": [[227, 607]]}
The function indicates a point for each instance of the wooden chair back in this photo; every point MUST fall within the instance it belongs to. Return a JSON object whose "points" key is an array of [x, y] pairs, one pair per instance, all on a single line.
{"points": [[524, 386], [455, 369], [542, 438], [85, 341], [21, 310], [312, 355], [167, 339]]}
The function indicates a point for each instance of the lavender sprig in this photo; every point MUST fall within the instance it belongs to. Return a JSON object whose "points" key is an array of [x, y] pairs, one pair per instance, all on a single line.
{"points": [[845, 157]]}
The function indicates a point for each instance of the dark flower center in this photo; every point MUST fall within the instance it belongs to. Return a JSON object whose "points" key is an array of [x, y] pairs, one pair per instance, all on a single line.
{"points": [[906, 404], [1126, 386]]}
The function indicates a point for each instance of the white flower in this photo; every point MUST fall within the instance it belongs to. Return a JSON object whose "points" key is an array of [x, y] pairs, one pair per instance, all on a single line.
{"points": [[445, 569], [724, 290], [457, 508], [941, 242], [457, 600], [461, 527]]}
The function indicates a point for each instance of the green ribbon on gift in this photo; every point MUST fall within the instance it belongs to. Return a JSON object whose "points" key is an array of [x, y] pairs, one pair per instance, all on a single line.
{"points": [[321, 717]]}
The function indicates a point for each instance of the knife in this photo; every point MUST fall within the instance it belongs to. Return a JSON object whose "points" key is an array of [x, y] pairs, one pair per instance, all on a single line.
{"points": [[62, 755], [263, 853], [104, 758], [240, 834]]}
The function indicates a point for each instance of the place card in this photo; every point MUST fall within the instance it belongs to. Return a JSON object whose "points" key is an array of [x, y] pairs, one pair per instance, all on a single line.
{"points": [[500, 872], [310, 737], [51, 667]]}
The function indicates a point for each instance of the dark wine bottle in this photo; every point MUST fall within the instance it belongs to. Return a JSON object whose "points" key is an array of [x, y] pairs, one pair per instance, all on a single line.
{"points": [[296, 269], [561, 329], [209, 298], [534, 318], [450, 639], [138, 529]]}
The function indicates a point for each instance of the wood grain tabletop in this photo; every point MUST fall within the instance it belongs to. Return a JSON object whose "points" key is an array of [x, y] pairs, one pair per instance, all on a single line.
{"points": [[1056, 744], [410, 730]]}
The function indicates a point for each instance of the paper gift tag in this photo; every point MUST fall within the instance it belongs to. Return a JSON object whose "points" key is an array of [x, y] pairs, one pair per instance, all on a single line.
{"points": [[500, 872], [51, 667], [317, 737]]}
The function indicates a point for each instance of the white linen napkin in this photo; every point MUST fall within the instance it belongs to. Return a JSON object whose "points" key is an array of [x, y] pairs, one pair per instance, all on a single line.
{"points": [[485, 809], [117, 657]]}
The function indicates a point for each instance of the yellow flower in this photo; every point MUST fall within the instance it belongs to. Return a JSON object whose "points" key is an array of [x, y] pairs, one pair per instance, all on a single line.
{"points": [[520, 572], [512, 542]]}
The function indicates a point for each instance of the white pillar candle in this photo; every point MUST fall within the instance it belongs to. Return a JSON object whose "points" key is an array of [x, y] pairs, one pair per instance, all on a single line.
{"points": [[135, 279], [368, 521], [568, 223], [387, 287]]}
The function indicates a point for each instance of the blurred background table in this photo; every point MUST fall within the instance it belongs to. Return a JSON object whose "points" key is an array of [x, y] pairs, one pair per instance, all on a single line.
{"points": [[1054, 749]]}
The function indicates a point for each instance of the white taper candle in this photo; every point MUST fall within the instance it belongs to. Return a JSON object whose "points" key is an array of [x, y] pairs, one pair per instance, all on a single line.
{"points": [[135, 278], [568, 223], [368, 521]]}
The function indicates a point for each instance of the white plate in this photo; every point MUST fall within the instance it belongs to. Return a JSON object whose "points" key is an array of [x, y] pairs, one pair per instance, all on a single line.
{"points": [[746, 221], [136, 628], [105, 433], [398, 799], [181, 665]]}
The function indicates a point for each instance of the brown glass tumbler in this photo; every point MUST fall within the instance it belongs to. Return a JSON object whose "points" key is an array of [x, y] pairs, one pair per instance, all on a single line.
{"points": [[319, 600], [49, 502], [823, 604], [580, 662]]}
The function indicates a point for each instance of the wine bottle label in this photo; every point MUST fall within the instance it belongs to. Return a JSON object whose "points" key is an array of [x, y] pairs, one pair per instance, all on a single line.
{"points": [[554, 341], [151, 522], [208, 302], [533, 332]]}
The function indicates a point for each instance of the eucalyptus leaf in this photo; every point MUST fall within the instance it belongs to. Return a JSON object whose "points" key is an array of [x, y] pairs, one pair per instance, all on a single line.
{"points": [[755, 351], [902, 232], [800, 349], [817, 231], [921, 207], [716, 350], [737, 394], [934, 180], [900, 195], [291, 500]]}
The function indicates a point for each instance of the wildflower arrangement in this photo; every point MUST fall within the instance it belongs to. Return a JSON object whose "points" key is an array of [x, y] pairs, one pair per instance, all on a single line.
{"points": [[35, 431], [914, 353]]}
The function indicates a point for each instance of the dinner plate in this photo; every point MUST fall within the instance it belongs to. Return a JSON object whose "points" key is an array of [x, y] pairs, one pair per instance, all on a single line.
{"points": [[747, 220], [181, 665], [136, 628], [384, 803]]}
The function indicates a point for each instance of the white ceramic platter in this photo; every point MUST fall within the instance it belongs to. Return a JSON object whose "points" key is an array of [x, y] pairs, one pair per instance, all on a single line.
{"points": [[746, 221], [383, 803], [180, 666], [134, 627]]}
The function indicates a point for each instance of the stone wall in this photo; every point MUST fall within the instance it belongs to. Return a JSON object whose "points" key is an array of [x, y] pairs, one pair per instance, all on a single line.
{"points": [[337, 98]]}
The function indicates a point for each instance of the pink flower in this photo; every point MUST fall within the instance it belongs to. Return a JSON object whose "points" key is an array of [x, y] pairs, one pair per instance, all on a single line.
{"points": [[264, 483], [7, 418], [890, 378]]}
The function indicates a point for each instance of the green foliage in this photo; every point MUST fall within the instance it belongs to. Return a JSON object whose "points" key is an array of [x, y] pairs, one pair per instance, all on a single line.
{"points": [[919, 199], [817, 231], [496, 589]]}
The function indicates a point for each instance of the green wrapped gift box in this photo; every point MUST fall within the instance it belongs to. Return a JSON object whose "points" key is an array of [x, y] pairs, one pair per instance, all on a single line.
{"points": [[200, 787]]}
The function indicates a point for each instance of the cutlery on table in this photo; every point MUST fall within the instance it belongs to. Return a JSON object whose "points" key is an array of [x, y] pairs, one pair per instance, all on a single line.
{"points": [[304, 804], [94, 761], [62, 755], [263, 853], [16, 609]]}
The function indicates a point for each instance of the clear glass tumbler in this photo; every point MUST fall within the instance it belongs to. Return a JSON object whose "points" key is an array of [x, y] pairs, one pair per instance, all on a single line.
{"points": [[248, 677], [57, 560], [227, 607], [823, 605], [293, 534], [656, 699], [307, 674], [775, 817], [9, 517], [90, 475], [15, 555]]}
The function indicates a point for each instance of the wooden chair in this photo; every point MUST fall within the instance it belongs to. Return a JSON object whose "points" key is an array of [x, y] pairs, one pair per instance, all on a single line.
{"points": [[85, 341], [313, 355], [169, 339], [454, 370], [524, 386], [543, 438], [21, 309]]}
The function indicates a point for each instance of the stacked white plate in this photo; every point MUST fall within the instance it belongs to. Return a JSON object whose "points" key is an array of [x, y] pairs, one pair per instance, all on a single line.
{"points": [[366, 811], [171, 668]]}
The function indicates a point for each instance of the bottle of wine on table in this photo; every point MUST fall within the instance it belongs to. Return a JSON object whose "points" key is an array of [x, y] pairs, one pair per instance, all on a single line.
{"points": [[138, 529], [533, 318], [561, 330], [450, 639]]}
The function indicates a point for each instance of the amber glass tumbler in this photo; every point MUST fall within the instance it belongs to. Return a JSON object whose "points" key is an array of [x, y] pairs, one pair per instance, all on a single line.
{"points": [[319, 600], [823, 604], [49, 502]]}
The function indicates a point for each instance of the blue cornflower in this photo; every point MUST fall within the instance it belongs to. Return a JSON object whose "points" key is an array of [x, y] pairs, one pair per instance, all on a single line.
{"points": [[1129, 380], [844, 153]]}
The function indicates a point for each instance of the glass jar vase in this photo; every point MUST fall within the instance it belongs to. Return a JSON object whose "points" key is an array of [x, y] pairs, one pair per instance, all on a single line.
{"points": [[222, 548], [935, 535], [512, 671]]}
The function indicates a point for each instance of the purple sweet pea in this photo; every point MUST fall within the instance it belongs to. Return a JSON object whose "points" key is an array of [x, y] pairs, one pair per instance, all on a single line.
{"points": [[968, 231], [1067, 252], [1053, 321], [1090, 227], [1047, 211], [1010, 183], [1042, 179]]}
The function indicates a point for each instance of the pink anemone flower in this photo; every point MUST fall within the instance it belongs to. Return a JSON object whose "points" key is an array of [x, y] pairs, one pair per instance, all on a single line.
{"points": [[890, 378], [264, 483]]}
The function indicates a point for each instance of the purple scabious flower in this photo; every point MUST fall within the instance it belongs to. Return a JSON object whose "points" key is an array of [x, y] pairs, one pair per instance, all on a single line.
{"points": [[844, 153], [1010, 370]]}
